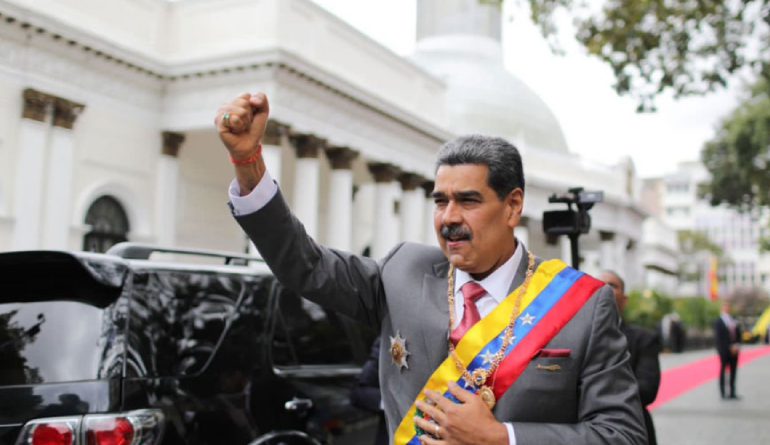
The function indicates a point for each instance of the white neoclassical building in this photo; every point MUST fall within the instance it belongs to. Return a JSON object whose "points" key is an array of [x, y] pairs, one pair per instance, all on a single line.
{"points": [[674, 198], [106, 130]]}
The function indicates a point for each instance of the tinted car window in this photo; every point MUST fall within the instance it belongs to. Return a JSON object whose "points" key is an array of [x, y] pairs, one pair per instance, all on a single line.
{"points": [[51, 341], [177, 318], [307, 334]]}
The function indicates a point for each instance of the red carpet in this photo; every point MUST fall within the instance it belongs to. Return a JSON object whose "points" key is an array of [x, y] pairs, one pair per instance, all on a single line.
{"points": [[677, 381]]}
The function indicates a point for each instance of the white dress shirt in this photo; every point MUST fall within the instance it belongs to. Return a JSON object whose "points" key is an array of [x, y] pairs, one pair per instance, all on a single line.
{"points": [[258, 198], [729, 322], [496, 284]]}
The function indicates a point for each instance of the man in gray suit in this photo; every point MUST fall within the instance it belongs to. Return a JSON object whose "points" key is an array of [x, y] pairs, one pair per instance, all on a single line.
{"points": [[577, 388]]}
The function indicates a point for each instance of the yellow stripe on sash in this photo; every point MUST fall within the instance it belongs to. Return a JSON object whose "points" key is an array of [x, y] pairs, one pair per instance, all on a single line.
{"points": [[483, 332]]}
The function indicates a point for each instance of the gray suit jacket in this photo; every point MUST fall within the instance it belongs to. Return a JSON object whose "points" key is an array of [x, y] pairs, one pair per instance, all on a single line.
{"points": [[593, 399]]}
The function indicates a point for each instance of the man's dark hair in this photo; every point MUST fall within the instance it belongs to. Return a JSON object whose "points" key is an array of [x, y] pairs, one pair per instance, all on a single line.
{"points": [[500, 156], [616, 275]]}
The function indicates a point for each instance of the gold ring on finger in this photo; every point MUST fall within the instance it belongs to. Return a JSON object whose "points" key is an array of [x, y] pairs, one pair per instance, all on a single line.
{"points": [[226, 120]]}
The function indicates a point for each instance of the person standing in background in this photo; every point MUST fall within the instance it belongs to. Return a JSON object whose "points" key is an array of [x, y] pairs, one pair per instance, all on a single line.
{"points": [[644, 348], [727, 336]]}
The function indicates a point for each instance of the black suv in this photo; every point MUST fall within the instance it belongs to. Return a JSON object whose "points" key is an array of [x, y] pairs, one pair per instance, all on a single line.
{"points": [[120, 349]]}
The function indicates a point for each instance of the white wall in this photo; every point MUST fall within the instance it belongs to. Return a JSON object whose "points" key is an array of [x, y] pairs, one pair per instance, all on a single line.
{"points": [[203, 218], [10, 116]]}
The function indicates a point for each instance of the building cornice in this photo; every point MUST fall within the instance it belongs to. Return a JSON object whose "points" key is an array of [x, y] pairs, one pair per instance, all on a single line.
{"points": [[37, 27]]}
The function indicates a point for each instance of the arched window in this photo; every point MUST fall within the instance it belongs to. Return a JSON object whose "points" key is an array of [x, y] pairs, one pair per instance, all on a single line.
{"points": [[108, 225]]}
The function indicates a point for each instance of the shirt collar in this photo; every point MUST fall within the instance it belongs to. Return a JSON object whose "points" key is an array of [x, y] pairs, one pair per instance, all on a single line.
{"points": [[499, 281]]}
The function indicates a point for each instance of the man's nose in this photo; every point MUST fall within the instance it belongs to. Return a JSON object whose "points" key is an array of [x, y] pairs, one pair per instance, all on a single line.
{"points": [[452, 214]]}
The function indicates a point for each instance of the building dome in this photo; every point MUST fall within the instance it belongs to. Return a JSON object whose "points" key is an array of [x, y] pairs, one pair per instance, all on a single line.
{"points": [[482, 97], [459, 42]]}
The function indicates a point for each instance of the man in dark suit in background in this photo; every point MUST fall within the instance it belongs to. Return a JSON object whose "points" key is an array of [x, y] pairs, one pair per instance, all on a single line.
{"points": [[727, 335], [644, 347]]}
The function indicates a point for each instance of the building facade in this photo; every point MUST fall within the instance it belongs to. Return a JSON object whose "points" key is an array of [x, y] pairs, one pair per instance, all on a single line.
{"points": [[675, 199], [106, 130]]}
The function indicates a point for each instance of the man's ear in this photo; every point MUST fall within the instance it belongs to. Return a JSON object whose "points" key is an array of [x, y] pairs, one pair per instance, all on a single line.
{"points": [[515, 204]]}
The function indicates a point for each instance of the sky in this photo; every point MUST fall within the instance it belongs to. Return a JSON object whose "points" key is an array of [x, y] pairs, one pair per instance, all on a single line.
{"points": [[597, 123]]}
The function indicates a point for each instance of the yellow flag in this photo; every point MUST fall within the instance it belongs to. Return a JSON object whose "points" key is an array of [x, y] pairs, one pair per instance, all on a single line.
{"points": [[714, 279]]}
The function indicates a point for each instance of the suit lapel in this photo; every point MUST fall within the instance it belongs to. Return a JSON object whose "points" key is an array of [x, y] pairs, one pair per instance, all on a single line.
{"points": [[434, 309], [434, 312]]}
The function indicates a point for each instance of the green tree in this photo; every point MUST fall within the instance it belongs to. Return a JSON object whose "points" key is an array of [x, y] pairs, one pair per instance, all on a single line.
{"points": [[738, 158], [683, 46], [696, 248], [647, 309], [697, 312]]}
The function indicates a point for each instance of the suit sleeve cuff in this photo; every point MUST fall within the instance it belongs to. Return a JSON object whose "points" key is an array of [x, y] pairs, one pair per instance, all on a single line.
{"points": [[511, 436], [254, 201]]}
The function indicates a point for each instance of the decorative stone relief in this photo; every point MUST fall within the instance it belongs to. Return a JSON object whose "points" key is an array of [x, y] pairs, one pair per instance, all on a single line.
{"points": [[274, 132], [94, 76], [307, 145], [37, 105], [341, 158], [410, 181], [383, 172], [172, 143], [428, 187], [65, 113]]}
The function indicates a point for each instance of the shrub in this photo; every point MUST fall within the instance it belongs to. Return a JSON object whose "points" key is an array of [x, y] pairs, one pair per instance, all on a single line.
{"points": [[648, 308]]}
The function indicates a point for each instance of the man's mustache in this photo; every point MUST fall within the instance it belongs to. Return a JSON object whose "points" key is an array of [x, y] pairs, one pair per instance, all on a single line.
{"points": [[455, 232]]}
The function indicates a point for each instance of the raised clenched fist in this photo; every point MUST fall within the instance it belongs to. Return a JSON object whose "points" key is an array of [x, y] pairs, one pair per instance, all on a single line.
{"points": [[241, 124]]}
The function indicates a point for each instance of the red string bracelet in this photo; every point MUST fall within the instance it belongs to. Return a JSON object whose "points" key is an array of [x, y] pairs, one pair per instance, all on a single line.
{"points": [[250, 160]]}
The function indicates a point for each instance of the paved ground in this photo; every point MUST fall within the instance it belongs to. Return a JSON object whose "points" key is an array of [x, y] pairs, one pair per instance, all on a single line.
{"points": [[701, 417]]}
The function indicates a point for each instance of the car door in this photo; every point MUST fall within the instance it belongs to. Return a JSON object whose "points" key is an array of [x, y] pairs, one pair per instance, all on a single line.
{"points": [[317, 356], [195, 344]]}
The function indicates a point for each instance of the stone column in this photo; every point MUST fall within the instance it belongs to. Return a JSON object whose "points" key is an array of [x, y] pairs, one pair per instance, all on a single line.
{"points": [[607, 251], [429, 234], [29, 183], [632, 265], [271, 148], [620, 257], [306, 180], [363, 217], [272, 143], [522, 231], [385, 221], [340, 211], [166, 188], [59, 174], [412, 207]]}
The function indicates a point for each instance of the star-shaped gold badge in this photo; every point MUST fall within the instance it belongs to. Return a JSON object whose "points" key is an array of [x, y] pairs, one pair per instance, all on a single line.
{"points": [[398, 352]]}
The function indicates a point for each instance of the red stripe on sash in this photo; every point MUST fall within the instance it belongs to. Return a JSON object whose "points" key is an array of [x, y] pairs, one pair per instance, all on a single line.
{"points": [[545, 330]]}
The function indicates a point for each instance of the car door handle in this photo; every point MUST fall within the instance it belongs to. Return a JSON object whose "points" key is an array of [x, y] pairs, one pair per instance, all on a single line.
{"points": [[296, 404]]}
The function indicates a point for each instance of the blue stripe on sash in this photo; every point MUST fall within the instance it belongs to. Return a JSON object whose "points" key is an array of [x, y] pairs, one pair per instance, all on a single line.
{"points": [[560, 284]]}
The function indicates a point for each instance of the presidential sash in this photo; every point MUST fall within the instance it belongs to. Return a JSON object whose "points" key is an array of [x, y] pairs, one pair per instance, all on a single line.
{"points": [[555, 294]]}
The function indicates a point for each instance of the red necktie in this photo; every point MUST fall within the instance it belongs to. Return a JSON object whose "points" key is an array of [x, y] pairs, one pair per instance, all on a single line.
{"points": [[472, 291]]}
